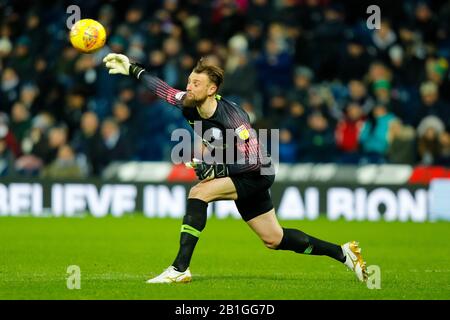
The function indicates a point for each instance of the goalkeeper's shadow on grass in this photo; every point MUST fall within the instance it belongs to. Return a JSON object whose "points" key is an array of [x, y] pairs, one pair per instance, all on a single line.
{"points": [[237, 279], [283, 278]]}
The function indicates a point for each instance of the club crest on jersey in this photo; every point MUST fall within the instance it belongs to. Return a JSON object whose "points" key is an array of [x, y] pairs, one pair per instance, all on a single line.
{"points": [[242, 132]]}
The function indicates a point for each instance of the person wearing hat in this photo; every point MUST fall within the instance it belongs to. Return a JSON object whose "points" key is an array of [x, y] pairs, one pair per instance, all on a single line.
{"points": [[432, 104], [437, 69], [21, 60], [303, 78], [382, 89], [429, 130]]}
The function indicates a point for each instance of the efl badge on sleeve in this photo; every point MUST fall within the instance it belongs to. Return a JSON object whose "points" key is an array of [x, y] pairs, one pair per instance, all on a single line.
{"points": [[242, 132]]}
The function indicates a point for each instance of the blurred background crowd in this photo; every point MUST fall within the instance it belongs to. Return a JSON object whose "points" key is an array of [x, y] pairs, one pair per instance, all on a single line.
{"points": [[338, 91]]}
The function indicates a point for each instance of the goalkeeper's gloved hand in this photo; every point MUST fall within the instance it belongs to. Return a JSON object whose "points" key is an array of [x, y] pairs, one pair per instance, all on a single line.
{"points": [[119, 63], [206, 171]]}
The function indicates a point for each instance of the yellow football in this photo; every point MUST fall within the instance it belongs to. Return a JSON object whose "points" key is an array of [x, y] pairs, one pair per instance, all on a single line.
{"points": [[87, 35]]}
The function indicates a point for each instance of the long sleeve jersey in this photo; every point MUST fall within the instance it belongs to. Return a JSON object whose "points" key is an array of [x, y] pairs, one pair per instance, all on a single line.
{"points": [[228, 130]]}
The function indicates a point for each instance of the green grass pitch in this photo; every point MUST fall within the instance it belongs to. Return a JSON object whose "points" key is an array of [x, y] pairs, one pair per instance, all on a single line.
{"points": [[117, 255]]}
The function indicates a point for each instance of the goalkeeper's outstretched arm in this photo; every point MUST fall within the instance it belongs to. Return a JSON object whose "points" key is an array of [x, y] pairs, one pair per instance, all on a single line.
{"points": [[120, 64]]}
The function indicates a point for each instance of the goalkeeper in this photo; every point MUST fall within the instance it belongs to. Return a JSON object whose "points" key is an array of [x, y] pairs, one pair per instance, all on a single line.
{"points": [[244, 182]]}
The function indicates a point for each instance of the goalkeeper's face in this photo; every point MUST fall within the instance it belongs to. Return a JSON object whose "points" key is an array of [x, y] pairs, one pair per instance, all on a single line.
{"points": [[198, 89]]}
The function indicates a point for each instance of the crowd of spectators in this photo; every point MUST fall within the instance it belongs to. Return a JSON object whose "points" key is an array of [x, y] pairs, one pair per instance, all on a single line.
{"points": [[337, 90]]}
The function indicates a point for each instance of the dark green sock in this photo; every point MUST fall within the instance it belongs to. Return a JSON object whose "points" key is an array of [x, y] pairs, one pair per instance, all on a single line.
{"points": [[193, 223], [300, 242]]}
